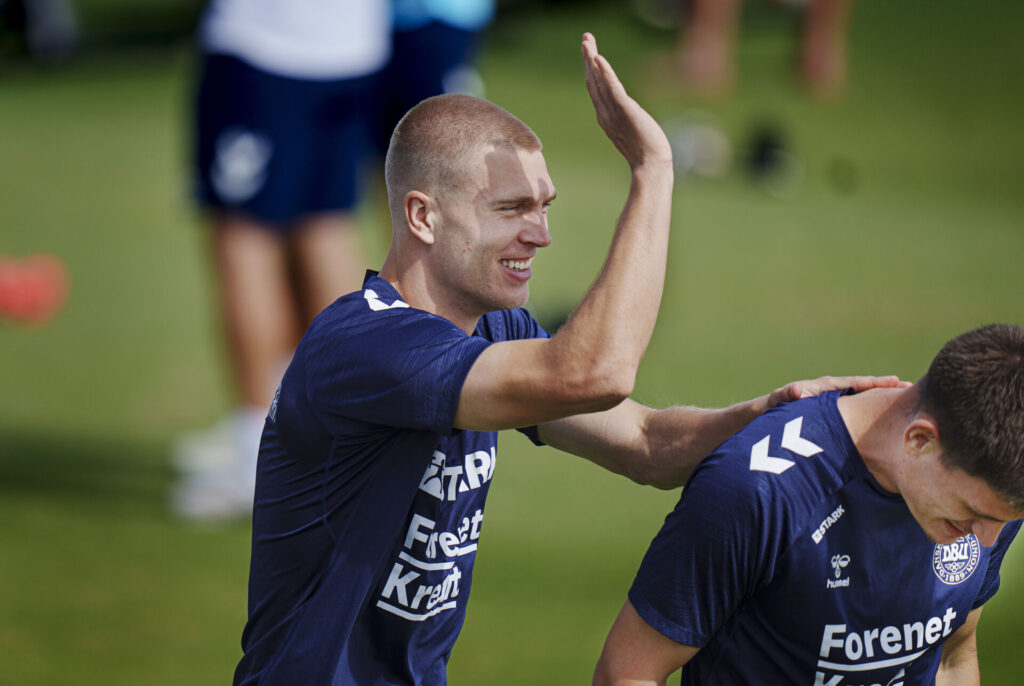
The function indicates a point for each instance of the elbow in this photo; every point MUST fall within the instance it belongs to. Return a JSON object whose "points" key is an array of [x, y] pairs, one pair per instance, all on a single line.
{"points": [[650, 474], [603, 389]]}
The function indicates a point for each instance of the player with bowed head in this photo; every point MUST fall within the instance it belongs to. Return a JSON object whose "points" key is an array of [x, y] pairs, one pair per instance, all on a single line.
{"points": [[846, 538], [380, 444]]}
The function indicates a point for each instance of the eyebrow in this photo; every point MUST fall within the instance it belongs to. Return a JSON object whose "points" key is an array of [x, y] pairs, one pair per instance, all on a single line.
{"points": [[523, 200], [981, 515]]}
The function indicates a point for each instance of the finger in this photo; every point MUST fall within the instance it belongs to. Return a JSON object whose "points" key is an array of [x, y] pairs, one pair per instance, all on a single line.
{"points": [[863, 383], [598, 67]]}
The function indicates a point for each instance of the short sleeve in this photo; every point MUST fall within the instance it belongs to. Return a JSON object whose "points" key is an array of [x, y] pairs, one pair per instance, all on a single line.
{"points": [[508, 325], [995, 560], [395, 367], [707, 559]]}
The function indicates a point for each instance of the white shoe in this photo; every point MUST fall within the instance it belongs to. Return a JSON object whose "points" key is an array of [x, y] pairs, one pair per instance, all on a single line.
{"points": [[212, 497], [218, 467], [205, 450]]}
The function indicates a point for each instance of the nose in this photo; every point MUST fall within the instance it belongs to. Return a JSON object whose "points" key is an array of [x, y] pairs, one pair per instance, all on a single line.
{"points": [[987, 531], [535, 229]]}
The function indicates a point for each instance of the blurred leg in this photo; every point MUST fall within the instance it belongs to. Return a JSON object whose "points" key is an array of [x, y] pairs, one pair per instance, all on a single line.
{"points": [[219, 464], [257, 305], [329, 260], [706, 46], [823, 52]]}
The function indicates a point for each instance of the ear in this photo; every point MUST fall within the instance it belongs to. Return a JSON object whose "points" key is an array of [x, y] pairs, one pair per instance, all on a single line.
{"points": [[921, 435], [420, 216]]}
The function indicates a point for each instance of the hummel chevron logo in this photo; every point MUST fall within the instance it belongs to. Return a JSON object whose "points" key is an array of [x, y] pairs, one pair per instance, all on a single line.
{"points": [[792, 441], [761, 461], [376, 304]]}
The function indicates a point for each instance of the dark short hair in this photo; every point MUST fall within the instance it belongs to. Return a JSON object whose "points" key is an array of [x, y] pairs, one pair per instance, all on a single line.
{"points": [[974, 389]]}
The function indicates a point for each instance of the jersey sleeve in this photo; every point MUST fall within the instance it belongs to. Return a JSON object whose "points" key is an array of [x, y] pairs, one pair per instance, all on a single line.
{"points": [[712, 552], [517, 324], [396, 367], [995, 560]]}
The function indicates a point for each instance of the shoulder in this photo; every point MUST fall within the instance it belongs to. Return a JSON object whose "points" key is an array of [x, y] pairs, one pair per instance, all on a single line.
{"points": [[378, 313], [785, 461], [373, 331]]}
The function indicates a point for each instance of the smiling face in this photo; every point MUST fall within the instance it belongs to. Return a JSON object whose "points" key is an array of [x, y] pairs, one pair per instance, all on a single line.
{"points": [[491, 223], [946, 501]]}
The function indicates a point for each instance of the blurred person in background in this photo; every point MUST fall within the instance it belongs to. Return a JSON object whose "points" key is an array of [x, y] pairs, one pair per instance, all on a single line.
{"points": [[283, 124], [48, 28], [706, 52], [433, 46], [293, 99]]}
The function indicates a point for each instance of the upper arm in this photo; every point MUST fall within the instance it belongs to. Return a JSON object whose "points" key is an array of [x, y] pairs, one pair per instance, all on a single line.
{"points": [[959, 662], [636, 654], [527, 382]]}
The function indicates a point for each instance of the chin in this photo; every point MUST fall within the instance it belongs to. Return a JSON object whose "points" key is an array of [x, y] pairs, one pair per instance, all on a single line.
{"points": [[511, 301]]}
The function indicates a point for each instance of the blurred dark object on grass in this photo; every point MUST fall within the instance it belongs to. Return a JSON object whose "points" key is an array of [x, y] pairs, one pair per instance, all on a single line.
{"points": [[771, 161]]}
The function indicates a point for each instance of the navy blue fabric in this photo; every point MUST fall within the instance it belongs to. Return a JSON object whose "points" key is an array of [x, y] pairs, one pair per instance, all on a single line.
{"points": [[814, 575], [307, 141], [369, 505], [421, 59]]}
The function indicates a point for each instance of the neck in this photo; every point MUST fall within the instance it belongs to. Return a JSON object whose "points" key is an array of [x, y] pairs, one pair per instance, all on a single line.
{"points": [[424, 294], [876, 420]]}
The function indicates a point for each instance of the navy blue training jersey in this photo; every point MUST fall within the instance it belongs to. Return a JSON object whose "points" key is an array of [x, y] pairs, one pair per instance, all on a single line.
{"points": [[369, 505], [786, 563]]}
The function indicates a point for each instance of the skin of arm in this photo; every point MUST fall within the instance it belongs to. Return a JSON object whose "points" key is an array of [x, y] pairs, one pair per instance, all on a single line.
{"points": [[591, 363], [959, 663], [635, 654], [661, 447]]}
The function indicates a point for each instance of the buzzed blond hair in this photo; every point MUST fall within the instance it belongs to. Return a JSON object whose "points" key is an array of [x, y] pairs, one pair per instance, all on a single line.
{"points": [[431, 145]]}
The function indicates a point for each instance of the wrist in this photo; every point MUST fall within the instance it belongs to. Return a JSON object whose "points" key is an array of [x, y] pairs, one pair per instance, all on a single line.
{"points": [[654, 168]]}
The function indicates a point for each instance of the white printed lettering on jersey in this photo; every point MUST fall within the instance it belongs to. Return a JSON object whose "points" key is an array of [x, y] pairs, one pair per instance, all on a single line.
{"points": [[818, 534], [407, 592], [376, 304], [839, 563], [955, 562], [239, 168], [837, 679], [845, 651], [445, 483], [761, 461]]}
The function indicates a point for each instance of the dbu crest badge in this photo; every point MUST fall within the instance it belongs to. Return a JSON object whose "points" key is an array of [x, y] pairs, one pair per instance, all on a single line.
{"points": [[954, 562]]}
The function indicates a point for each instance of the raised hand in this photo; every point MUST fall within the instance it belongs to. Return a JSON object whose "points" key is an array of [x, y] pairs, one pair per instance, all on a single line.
{"points": [[631, 129]]}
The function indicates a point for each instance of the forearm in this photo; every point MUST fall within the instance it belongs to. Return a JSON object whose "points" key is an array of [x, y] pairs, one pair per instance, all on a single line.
{"points": [[613, 324], [959, 663], [962, 673], [678, 438], [608, 333]]}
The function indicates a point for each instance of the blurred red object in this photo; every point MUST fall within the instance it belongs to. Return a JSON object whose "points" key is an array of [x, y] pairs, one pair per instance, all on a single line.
{"points": [[33, 288]]}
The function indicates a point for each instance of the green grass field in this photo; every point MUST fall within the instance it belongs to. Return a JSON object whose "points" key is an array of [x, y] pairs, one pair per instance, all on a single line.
{"points": [[100, 584]]}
